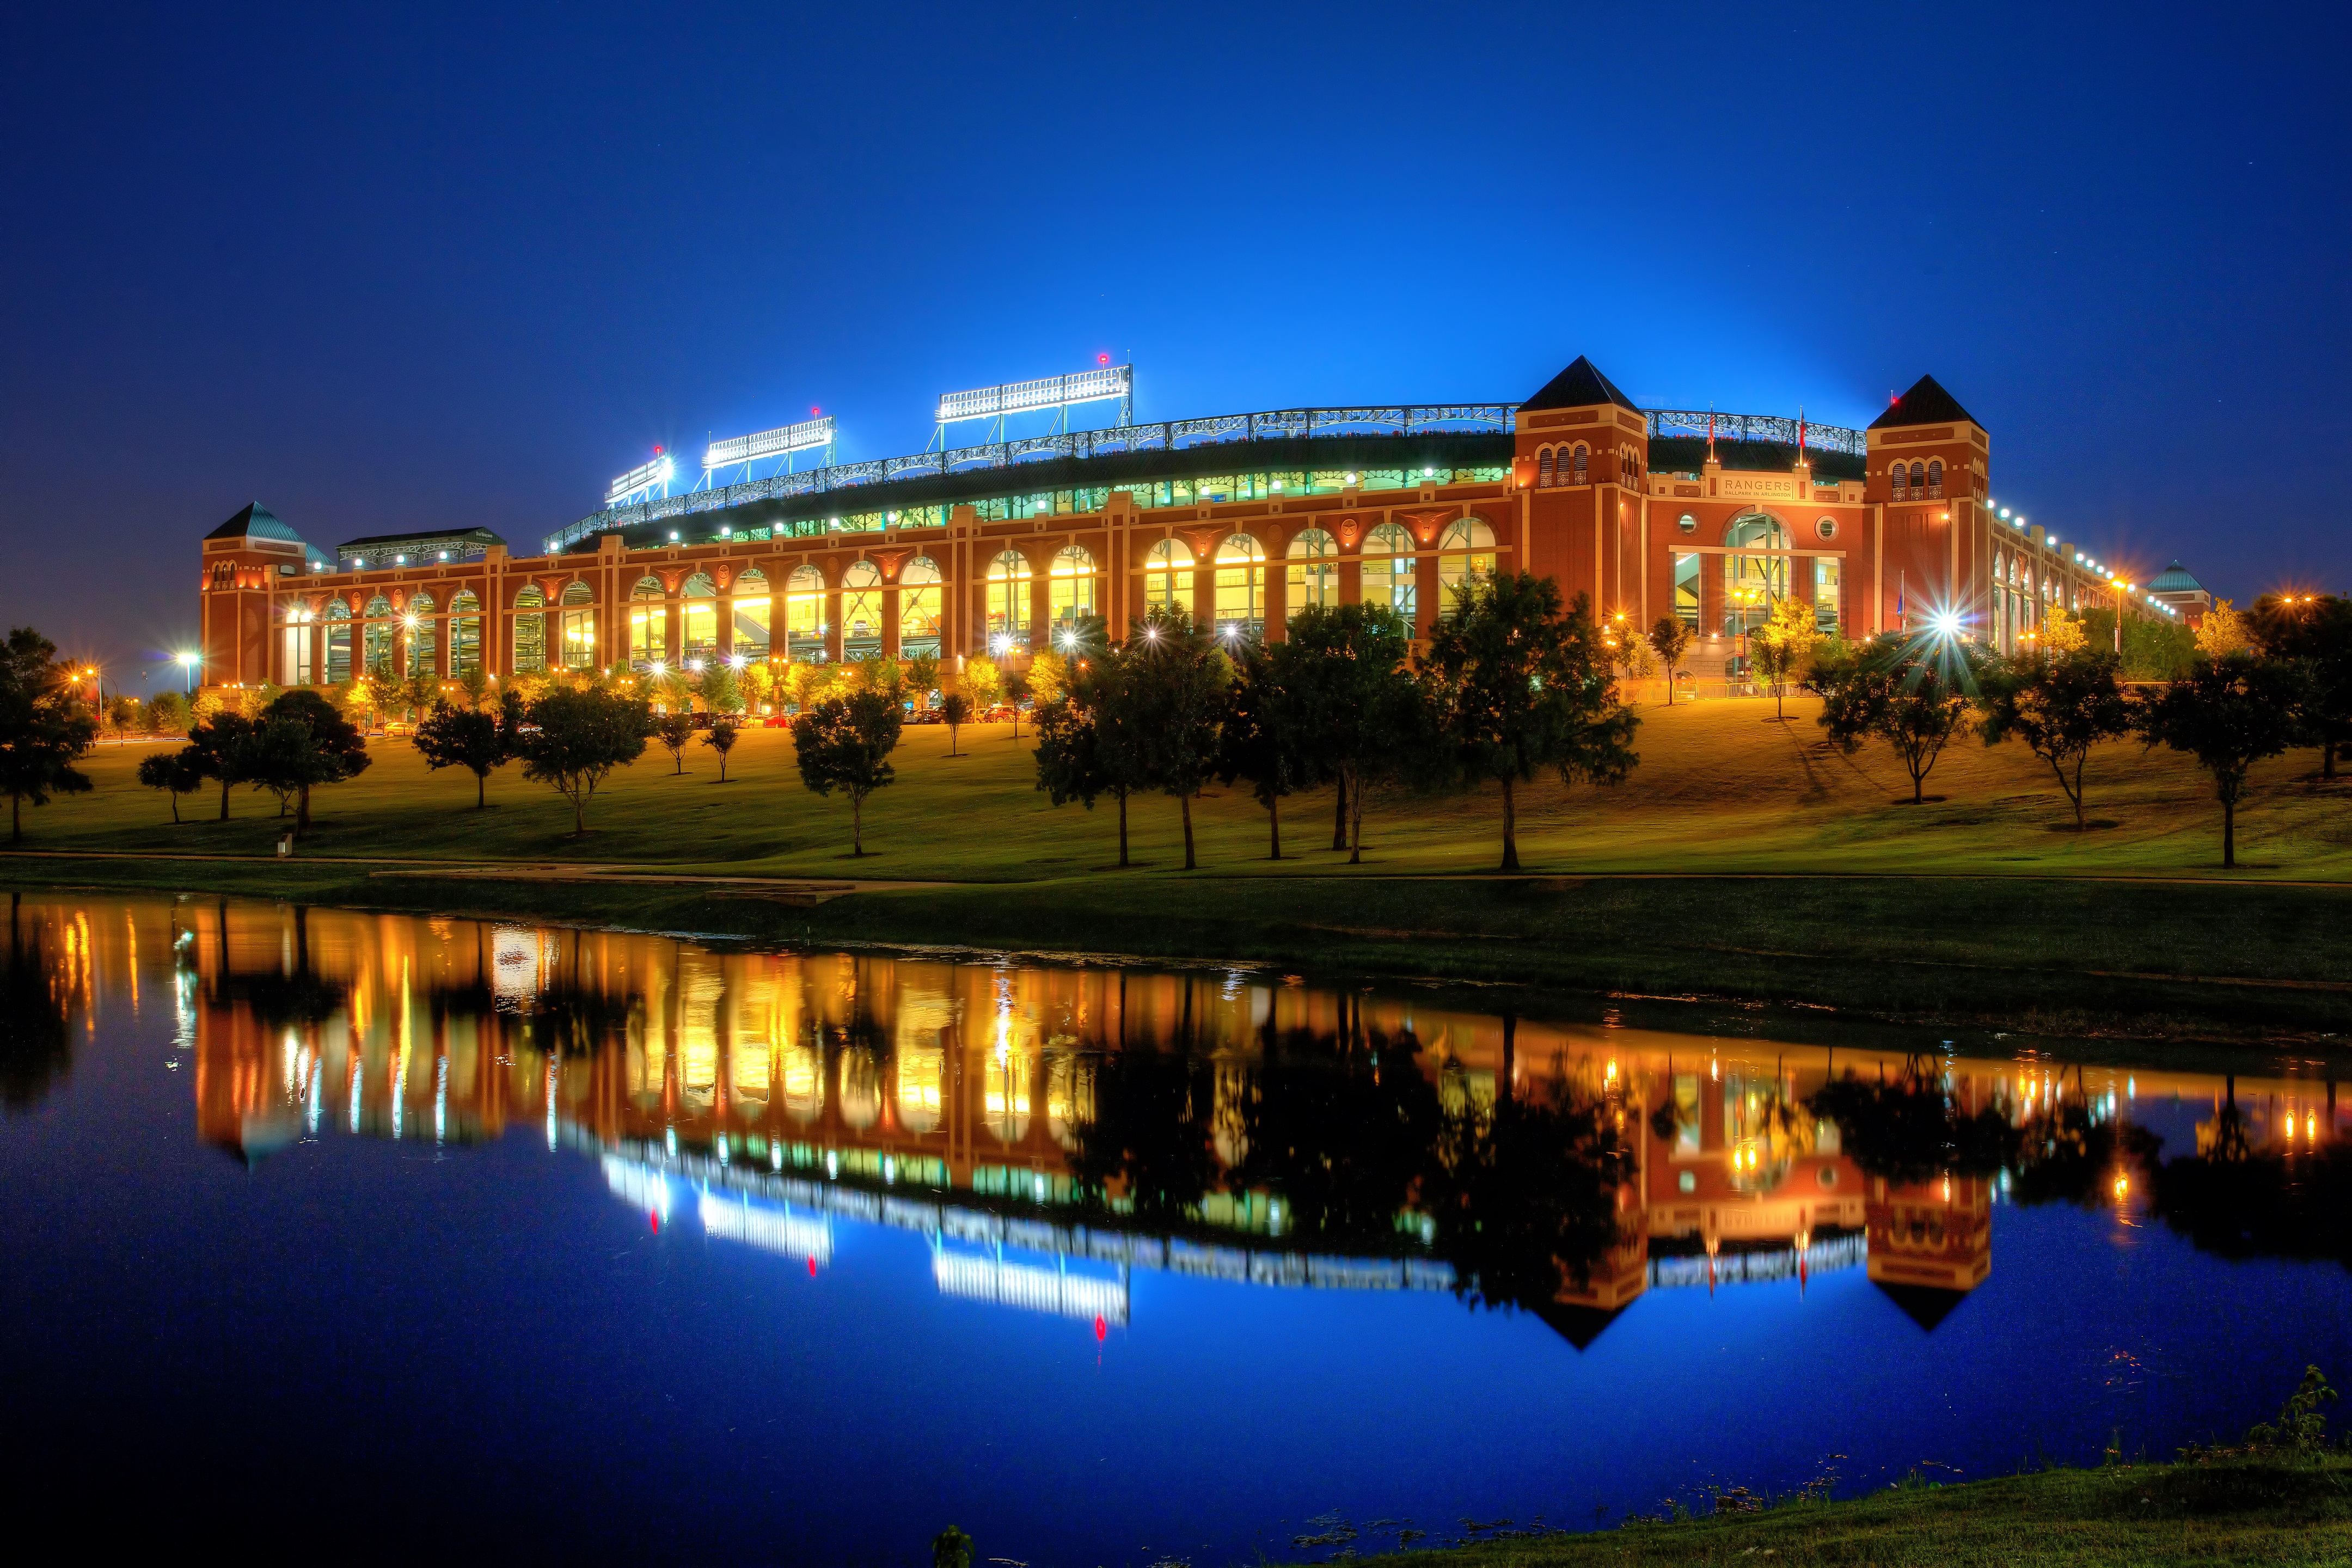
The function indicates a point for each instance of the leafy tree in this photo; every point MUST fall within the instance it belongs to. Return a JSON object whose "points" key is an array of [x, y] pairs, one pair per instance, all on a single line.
{"points": [[579, 737], [419, 692], [2314, 631], [674, 731], [301, 741], [758, 680], [1016, 689], [2229, 713], [387, 695], [167, 714], [1048, 676], [844, 743], [467, 738], [2061, 706], [1088, 744], [1670, 639], [982, 682], [720, 738], [1914, 695], [1779, 647], [170, 771], [956, 708], [219, 748], [2223, 631], [2061, 633], [1357, 710], [1172, 697], [1259, 739], [477, 685], [124, 715], [722, 693], [1516, 685], [922, 676]]}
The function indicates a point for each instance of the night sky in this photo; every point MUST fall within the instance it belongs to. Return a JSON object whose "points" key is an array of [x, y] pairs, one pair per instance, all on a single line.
{"points": [[461, 264]]}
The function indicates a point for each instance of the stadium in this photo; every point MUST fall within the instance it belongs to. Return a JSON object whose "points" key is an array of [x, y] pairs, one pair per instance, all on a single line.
{"points": [[1244, 520]]}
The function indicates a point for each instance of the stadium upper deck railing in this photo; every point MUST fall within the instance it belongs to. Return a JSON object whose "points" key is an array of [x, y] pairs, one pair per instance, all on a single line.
{"points": [[1178, 434]]}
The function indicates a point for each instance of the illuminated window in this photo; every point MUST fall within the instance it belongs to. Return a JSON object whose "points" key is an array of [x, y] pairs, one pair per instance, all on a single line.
{"points": [[699, 617], [1387, 570], [1543, 469], [578, 626], [1009, 603], [1752, 582], [1687, 589], [918, 605], [1687, 523], [1314, 570], [423, 644], [1072, 588], [464, 633], [1826, 580], [1167, 576], [1241, 585], [804, 616], [923, 1077], [753, 611], [529, 632], [339, 643], [861, 610], [1465, 558], [648, 623]]}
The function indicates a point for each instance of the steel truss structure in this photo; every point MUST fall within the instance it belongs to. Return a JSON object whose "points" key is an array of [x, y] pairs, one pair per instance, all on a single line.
{"points": [[1757, 427], [743, 451]]}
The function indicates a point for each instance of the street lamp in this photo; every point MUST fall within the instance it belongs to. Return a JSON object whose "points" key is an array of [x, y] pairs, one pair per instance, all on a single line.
{"points": [[188, 663]]}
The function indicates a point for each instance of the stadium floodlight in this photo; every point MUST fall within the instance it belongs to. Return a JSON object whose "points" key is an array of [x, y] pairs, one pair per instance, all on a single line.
{"points": [[642, 480], [781, 442], [1062, 391]]}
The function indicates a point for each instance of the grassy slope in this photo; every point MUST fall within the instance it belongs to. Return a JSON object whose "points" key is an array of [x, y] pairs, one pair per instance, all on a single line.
{"points": [[2241, 1512]]}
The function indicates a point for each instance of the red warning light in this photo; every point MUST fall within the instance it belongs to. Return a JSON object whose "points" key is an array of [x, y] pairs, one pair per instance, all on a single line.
{"points": [[657, 451], [812, 410], [812, 1267], [652, 1217], [1102, 359], [1102, 1330]]}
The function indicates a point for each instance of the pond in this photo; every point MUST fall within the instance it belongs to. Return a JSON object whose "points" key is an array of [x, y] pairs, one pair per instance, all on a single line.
{"points": [[374, 1233]]}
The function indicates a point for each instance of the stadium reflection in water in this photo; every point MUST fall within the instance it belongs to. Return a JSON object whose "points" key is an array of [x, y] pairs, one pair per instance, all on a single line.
{"points": [[1052, 1131]]}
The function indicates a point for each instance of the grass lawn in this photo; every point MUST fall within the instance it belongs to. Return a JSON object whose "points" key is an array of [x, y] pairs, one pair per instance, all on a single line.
{"points": [[1744, 859], [2242, 1512]]}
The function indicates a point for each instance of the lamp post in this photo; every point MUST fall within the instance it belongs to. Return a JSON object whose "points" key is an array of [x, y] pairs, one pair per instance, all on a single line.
{"points": [[188, 663]]}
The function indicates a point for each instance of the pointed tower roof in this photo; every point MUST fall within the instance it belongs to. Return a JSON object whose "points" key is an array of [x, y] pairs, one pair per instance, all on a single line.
{"points": [[1926, 1305], [1581, 385], [1580, 1326], [256, 521], [2175, 579], [1926, 404]]}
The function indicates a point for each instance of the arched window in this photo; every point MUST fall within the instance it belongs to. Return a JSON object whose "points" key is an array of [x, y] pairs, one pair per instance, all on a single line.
{"points": [[804, 616], [339, 642], [1314, 570], [861, 610], [1543, 469], [1918, 481], [423, 636], [578, 626], [379, 636], [753, 613], [1751, 583], [697, 616], [1936, 479], [1167, 576], [464, 633], [529, 631], [1072, 588], [1241, 586], [648, 623], [1388, 568], [919, 607], [1579, 470], [1465, 558], [1008, 602]]}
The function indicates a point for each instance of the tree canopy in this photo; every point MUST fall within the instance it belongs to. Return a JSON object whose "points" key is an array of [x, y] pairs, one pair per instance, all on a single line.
{"points": [[844, 743], [572, 740], [2061, 706], [44, 729], [2229, 713], [468, 738], [1914, 695]]}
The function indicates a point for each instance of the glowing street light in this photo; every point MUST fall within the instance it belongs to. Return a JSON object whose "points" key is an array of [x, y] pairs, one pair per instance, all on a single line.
{"points": [[188, 663]]}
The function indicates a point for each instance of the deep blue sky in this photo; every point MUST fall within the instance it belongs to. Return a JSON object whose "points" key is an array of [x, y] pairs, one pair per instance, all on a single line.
{"points": [[464, 264]]}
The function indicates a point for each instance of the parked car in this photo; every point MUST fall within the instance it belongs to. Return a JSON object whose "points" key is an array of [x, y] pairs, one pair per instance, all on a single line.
{"points": [[778, 721], [926, 716]]}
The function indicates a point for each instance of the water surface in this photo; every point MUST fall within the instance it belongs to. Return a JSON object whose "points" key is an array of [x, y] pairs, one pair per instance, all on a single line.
{"points": [[361, 1235]]}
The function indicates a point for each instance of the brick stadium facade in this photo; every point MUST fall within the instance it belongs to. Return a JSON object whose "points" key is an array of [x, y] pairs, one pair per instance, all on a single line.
{"points": [[1580, 487]]}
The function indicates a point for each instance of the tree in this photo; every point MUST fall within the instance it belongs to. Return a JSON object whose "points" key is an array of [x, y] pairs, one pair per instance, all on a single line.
{"points": [[758, 680], [419, 692], [1258, 738], [1174, 696], [1779, 647], [476, 684], [122, 715], [1670, 639], [922, 676], [956, 708], [167, 714], [844, 743], [2314, 631], [1087, 741], [1516, 685], [1016, 689], [170, 771], [1049, 675], [2061, 706], [2229, 713], [982, 682], [2223, 631], [1912, 695], [301, 741], [387, 695], [1357, 709], [2061, 633], [467, 738], [720, 738], [674, 731], [218, 749], [722, 693], [578, 738], [43, 730]]}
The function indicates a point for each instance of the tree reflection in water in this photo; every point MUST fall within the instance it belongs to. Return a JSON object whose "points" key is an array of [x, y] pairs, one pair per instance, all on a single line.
{"points": [[1339, 1129], [1149, 1142], [1911, 1129], [2239, 1200], [36, 1041]]}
